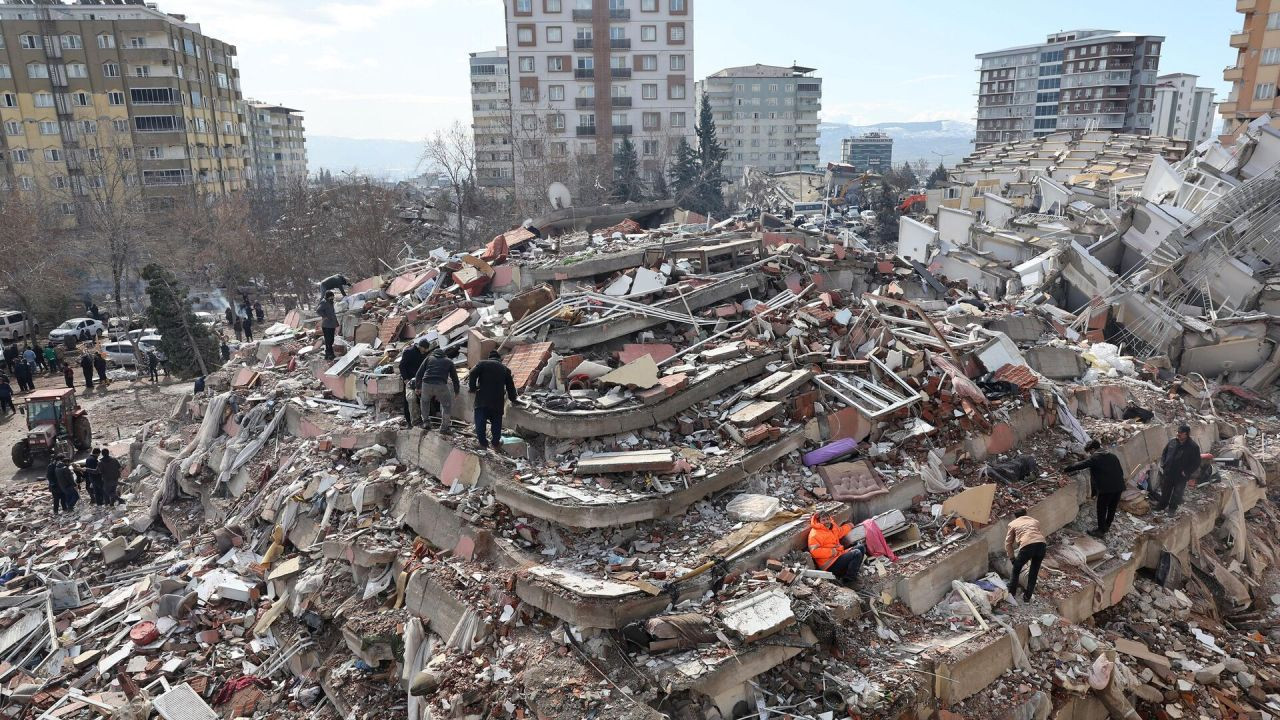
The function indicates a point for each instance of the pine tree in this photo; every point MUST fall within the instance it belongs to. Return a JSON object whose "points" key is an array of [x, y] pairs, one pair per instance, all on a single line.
{"points": [[187, 344], [711, 155], [626, 174], [937, 177], [908, 177], [684, 174]]}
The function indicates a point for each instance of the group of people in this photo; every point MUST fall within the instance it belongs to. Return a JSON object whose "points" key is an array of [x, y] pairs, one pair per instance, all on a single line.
{"points": [[431, 377], [100, 478], [241, 318]]}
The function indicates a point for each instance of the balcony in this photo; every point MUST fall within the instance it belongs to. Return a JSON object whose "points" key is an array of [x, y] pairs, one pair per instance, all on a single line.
{"points": [[620, 14], [1239, 40], [585, 130], [584, 15], [621, 129], [619, 43], [620, 73], [1227, 108], [1234, 72], [583, 43], [584, 73], [584, 103], [1246, 5], [620, 102]]}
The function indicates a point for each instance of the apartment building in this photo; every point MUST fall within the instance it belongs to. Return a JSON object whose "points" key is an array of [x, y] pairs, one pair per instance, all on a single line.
{"points": [[869, 152], [123, 90], [491, 117], [1256, 72], [1077, 79], [766, 117], [1182, 110], [277, 144], [584, 74]]}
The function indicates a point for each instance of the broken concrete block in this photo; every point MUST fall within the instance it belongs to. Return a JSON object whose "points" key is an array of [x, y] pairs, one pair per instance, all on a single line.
{"points": [[756, 413], [622, 462], [641, 373], [759, 615]]}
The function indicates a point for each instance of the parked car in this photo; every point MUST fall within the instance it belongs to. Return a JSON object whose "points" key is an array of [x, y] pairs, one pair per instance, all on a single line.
{"points": [[133, 335], [207, 318], [79, 328], [147, 343], [13, 325], [120, 353]]}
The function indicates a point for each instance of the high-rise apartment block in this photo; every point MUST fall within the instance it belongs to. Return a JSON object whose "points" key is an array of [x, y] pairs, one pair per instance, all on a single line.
{"points": [[1079, 79], [1256, 73], [89, 90], [584, 74], [1182, 110], [870, 152], [766, 117], [491, 117], [277, 144]]}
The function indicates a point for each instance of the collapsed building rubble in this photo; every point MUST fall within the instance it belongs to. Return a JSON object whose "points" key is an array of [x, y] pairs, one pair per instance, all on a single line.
{"points": [[690, 395]]}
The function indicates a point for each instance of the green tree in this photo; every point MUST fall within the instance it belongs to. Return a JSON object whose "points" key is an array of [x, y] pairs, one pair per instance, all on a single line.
{"points": [[626, 174], [907, 176], [684, 174], [937, 177], [185, 341], [711, 155]]}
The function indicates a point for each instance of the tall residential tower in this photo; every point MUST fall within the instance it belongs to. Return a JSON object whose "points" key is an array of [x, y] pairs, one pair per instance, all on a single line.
{"points": [[1182, 110], [1256, 73], [766, 117]]}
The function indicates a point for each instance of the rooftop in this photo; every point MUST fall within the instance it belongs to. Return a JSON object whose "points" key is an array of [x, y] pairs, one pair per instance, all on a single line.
{"points": [[759, 70]]}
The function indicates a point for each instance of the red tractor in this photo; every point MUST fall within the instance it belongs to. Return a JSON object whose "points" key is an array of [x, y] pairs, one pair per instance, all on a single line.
{"points": [[56, 425]]}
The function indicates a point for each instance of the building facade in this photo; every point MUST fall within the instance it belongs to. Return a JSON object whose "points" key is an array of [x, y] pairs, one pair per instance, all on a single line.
{"points": [[870, 152], [1182, 110], [1075, 80], [585, 74], [93, 93], [766, 117], [1256, 72], [491, 117], [277, 144]]}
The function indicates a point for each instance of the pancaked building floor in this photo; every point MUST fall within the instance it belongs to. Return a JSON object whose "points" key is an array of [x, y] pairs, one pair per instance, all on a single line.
{"points": [[690, 395]]}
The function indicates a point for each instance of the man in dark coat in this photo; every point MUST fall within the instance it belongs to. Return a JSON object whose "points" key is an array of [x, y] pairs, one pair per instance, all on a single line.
{"points": [[433, 383], [328, 323], [153, 365], [109, 470], [51, 474], [86, 367], [6, 396], [410, 360], [1106, 481], [488, 380], [1180, 459], [92, 479], [67, 485], [100, 364], [22, 373]]}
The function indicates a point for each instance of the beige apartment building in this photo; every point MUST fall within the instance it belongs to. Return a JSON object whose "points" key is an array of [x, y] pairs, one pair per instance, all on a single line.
{"points": [[584, 74], [491, 117], [91, 93], [766, 117], [277, 144], [1256, 73]]}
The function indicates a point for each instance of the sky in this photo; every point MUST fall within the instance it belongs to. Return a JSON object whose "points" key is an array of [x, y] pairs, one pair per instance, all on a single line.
{"points": [[397, 69]]}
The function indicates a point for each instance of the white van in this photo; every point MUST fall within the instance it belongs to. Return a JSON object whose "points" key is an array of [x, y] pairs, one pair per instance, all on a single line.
{"points": [[808, 208], [119, 353], [13, 324]]}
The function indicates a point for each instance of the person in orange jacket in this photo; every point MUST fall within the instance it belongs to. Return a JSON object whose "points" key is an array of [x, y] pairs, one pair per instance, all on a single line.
{"points": [[828, 551]]}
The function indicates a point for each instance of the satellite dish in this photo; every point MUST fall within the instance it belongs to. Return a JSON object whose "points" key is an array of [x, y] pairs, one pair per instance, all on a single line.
{"points": [[559, 196]]}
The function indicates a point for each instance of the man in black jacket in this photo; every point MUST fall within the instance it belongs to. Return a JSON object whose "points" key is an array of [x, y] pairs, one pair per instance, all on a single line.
{"points": [[488, 379], [1106, 481], [328, 323], [109, 470], [432, 381], [410, 360], [1180, 459], [86, 367]]}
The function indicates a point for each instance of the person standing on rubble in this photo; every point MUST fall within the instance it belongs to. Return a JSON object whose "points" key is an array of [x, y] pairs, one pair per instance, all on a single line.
{"points": [[1178, 462], [92, 478], [22, 372], [6, 396], [109, 471], [1106, 482], [66, 484], [410, 361], [826, 547], [487, 380], [247, 321], [51, 474], [328, 322], [1024, 533], [86, 367], [51, 359], [100, 364], [432, 381], [153, 365]]}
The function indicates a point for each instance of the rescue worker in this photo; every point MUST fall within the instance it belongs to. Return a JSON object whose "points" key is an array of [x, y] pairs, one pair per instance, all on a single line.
{"points": [[109, 471], [410, 360], [826, 547], [1106, 481], [51, 474], [488, 379], [1178, 462], [66, 484], [328, 323], [432, 381], [1025, 535], [86, 367], [92, 479]]}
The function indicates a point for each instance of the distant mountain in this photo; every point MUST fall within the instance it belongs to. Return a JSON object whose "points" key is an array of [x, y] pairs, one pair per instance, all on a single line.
{"points": [[385, 159], [911, 140]]}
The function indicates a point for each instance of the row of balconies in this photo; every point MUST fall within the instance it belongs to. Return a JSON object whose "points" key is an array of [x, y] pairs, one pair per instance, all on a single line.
{"points": [[590, 130], [618, 14], [614, 43], [588, 103], [589, 73]]}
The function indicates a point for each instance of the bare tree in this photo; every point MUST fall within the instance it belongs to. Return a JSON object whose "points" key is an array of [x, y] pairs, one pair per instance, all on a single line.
{"points": [[362, 218], [452, 152], [38, 267]]}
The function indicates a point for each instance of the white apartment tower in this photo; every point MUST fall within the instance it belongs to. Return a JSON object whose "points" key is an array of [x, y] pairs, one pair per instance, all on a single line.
{"points": [[1183, 111], [766, 117], [278, 145], [491, 117], [584, 74]]}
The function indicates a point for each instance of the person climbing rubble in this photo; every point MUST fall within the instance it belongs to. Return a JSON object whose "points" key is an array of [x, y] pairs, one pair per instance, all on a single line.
{"points": [[1106, 482], [487, 380], [1024, 534], [328, 322], [433, 381], [1178, 462], [826, 547], [410, 361]]}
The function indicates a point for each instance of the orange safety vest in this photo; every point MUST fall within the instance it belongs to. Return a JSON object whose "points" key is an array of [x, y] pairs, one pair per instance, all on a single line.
{"points": [[824, 541]]}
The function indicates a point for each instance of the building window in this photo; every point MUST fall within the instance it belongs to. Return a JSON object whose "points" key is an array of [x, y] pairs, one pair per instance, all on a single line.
{"points": [[675, 33], [555, 63], [19, 155], [551, 6], [80, 99], [71, 42], [556, 121], [27, 182], [37, 70], [110, 70], [586, 63], [526, 64], [1271, 56], [43, 100], [5, 72], [649, 62], [115, 97], [12, 127], [648, 5], [649, 33], [650, 120], [555, 34], [649, 148], [1264, 91], [106, 41], [677, 62], [52, 155], [77, 70], [30, 42], [678, 6], [555, 92], [528, 94], [524, 36], [649, 91], [137, 41], [88, 127], [11, 100], [48, 127], [587, 120], [524, 7], [675, 91], [125, 153], [677, 119], [120, 125], [1273, 21]]}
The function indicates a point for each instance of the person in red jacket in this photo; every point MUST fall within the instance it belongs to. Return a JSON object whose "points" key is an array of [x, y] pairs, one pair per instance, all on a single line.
{"points": [[828, 551]]}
